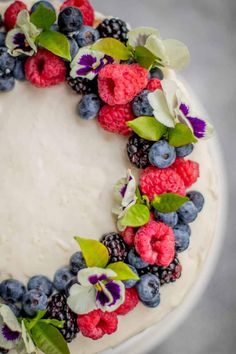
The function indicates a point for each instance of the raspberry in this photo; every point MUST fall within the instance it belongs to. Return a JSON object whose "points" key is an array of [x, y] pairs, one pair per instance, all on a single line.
{"points": [[155, 243], [114, 118], [45, 69], [131, 301], [85, 7], [188, 170], [120, 83], [11, 14], [128, 235], [157, 181], [153, 85], [97, 323]]}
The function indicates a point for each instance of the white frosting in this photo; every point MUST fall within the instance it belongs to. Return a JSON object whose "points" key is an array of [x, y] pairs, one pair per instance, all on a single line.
{"points": [[57, 174]]}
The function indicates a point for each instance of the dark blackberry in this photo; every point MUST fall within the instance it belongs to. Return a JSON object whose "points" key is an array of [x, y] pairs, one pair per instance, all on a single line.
{"points": [[113, 27], [116, 247], [82, 86], [58, 309], [171, 273], [3, 351], [138, 150]]}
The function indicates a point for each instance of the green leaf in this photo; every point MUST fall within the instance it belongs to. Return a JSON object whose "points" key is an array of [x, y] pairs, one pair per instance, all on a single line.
{"points": [[113, 48], [181, 135], [43, 17], [32, 322], [55, 42], [137, 215], [54, 322], [146, 201], [168, 202], [48, 339], [123, 271], [147, 128], [144, 57], [94, 252], [138, 195]]}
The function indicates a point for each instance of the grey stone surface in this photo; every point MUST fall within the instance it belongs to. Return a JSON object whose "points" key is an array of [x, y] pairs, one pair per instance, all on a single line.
{"points": [[208, 27]]}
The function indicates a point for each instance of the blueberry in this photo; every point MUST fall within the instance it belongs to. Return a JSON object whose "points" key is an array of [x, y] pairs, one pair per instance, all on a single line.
{"points": [[184, 150], [70, 19], [132, 282], [187, 212], [170, 219], [63, 278], [33, 301], [156, 73], [11, 290], [86, 36], [42, 283], [135, 260], [15, 309], [7, 62], [197, 199], [182, 236], [7, 83], [2, 39], [148, 288], [77, 262], [47, 4], [19, 69], [73, 47], [89, 106], [153, 303], [55, 27], [161, 154], [141, 105]]}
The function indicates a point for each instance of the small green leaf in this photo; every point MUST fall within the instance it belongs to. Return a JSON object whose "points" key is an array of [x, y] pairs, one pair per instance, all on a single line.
{"points": [[181, 135], [137, 215], [54, 322], [94, 252], [48, 339], [123, 271], [32, 322], [138, 195], [147, 128], [144, 57], [146, 201], [113, 48], [43, 17], [168, 202], [55, 42]]}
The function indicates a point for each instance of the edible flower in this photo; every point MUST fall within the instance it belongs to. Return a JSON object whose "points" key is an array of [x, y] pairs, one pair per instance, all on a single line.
{"points": [[10, 330], [97, 289]]}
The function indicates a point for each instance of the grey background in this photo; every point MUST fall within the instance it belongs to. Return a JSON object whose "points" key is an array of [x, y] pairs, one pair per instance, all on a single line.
{"points": [[208, 27]]}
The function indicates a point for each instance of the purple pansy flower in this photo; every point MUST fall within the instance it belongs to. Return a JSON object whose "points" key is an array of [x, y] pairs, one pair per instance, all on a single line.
{"points": [[198, 125], [10, 330]]}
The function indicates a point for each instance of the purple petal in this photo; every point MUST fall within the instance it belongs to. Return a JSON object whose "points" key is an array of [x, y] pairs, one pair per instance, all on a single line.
{"points": [[83, 71], [20, 42], [87, 60], [8, 334], [123, 190], [198, 125], [94, 279], [184, 109], [115, 291], [102, 298]]}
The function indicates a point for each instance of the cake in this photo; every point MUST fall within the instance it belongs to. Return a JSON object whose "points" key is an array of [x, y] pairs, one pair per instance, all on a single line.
{"points": [[58, 173]]}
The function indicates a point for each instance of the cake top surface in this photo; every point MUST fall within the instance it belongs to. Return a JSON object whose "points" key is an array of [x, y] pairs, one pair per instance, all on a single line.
{"points": [[59, 168]]}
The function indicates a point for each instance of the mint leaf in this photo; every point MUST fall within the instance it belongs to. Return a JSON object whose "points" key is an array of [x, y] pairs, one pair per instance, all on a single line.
{"points": [[136, 215], [147, 128], [123, 271], [32, 322], [94, 252], [54, 322], [181, 135], [168, 202], [55, 42], [43, 17], [113, 48], [144, 57], [48, 339]]}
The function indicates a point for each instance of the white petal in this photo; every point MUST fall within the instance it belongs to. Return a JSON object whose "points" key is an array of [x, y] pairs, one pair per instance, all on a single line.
{"points": [[86, 273], [130, 190], [82, 299], [9, 318], [138, 36], [177, 53], [161, 110], [170, 89], [155, 45], [29, 345]]}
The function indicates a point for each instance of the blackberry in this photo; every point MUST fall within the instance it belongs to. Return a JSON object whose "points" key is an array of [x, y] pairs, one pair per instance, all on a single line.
{"points": [[82, 85], [171, 273], [138, 150], [113, 27], [58, 309], [3, 351], [116, 247]]}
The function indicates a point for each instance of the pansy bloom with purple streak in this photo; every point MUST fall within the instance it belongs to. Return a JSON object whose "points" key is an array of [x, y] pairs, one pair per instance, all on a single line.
{"points": [[10, 330], [97, 289], [88, 63]]}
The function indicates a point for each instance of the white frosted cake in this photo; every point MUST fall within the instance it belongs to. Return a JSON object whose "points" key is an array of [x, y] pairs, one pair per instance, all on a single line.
{"points": [[56, 182]]}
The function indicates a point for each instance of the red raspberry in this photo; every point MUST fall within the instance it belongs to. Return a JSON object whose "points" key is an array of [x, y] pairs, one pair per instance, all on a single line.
{"points": [[11, 14], [85, 7], [153, 85], [158, 181], [128, 235], [155, 243], [131, 301], [45, 69], [114, 118], [97, 323], [188, 170], [120, 83]]}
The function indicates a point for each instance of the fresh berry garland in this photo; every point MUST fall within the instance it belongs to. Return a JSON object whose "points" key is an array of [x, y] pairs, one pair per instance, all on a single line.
{"points": [[120, 75]]}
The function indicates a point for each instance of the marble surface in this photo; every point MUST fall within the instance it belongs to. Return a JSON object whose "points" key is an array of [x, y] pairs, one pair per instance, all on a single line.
{"points": [[208, 27]]}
